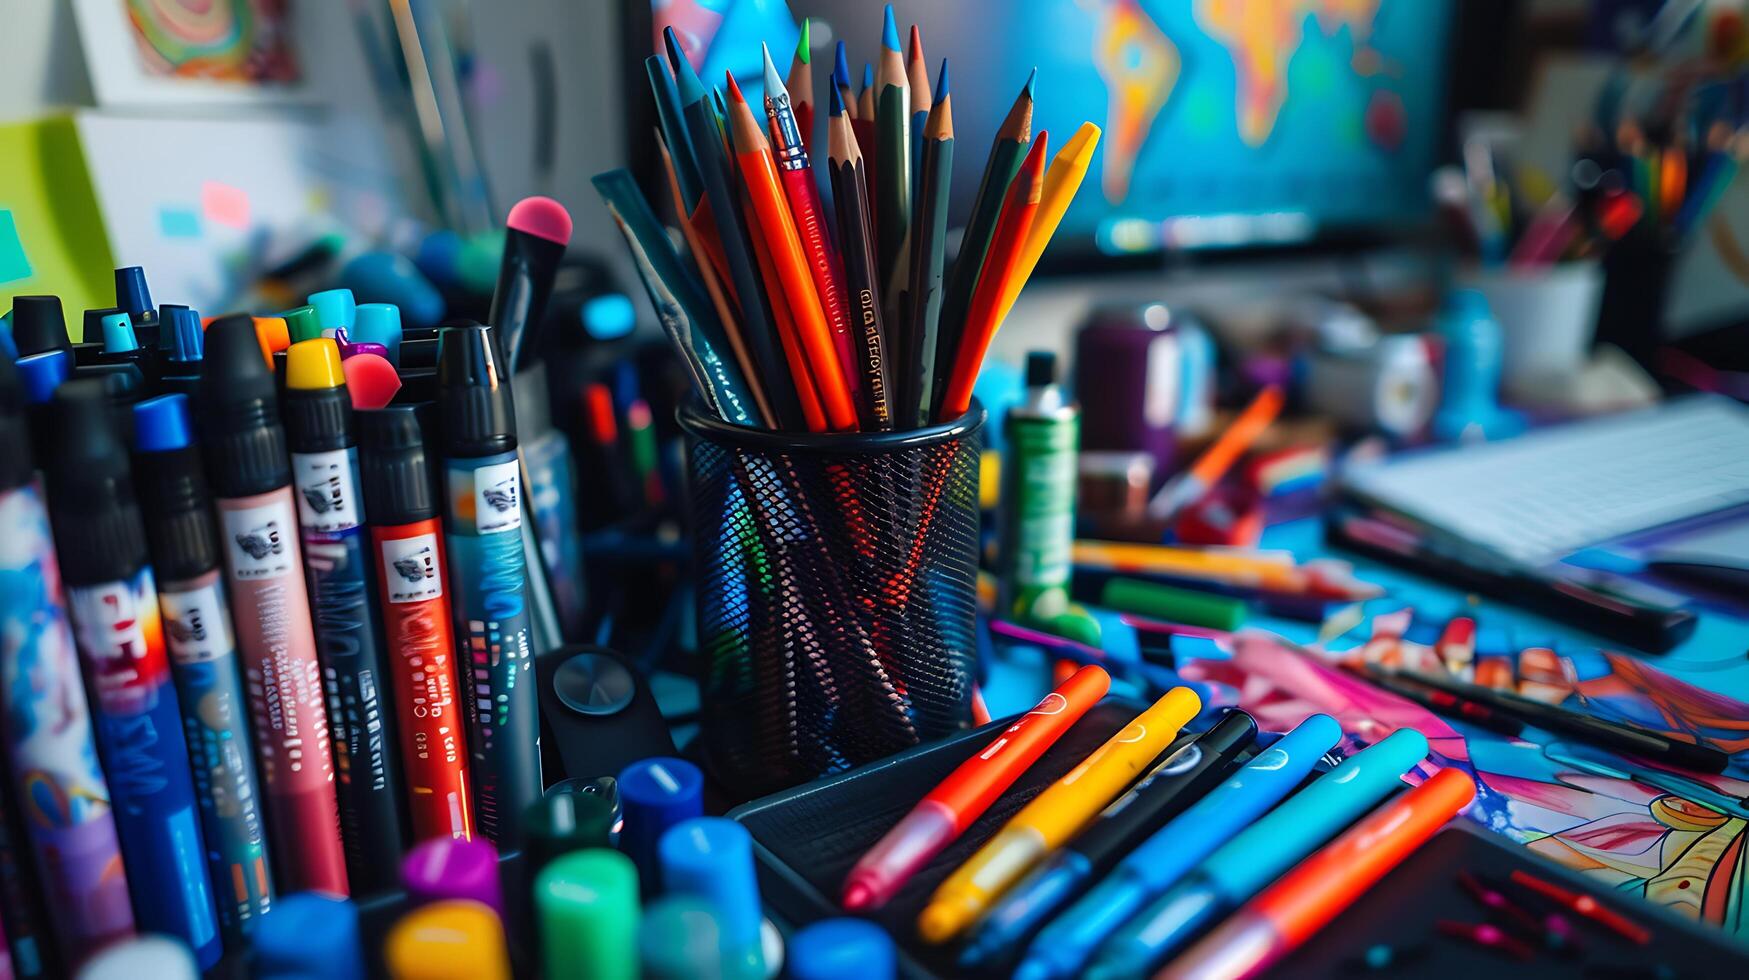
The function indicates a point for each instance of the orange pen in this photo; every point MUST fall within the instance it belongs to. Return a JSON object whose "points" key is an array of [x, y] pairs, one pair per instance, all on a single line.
{"points": [[939, 818], [1188, 487], [778, 228], [1325, 884]]}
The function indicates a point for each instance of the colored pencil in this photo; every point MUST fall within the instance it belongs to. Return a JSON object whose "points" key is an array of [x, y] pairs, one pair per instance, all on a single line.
{"points": [[962, 279], [1000, 265], [922, 100], [1062, 179], [892, 98], [1188, 487], [803, 196], [759, 176], [841, 79], [673, 128], [865, 106], [921, 326], [856, 233], [801, 88]]}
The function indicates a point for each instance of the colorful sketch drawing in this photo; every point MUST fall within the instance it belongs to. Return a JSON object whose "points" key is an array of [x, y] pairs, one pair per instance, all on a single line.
{"points": [[220, 40], [1690, 856]]}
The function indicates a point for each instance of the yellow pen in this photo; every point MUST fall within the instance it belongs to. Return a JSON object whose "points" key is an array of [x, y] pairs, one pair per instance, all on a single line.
{"points": [[1268, 570], [1054, 816]]}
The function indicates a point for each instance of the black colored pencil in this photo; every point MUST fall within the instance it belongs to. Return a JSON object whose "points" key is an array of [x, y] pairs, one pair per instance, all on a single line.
{"points": [[928, 256], [856, 245]]}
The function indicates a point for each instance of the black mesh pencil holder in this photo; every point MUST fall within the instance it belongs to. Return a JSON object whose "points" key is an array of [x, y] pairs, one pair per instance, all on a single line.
{"points": [[836, 594]]}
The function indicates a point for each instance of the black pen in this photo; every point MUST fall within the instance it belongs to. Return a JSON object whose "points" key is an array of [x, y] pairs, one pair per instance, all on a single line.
{"points": [[1440, 702]]}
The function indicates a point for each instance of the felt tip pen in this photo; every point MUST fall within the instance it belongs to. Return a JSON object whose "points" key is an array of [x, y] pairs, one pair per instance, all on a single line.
{"points": [[1177, 781], [1062, 947], [120, 636], [1324, 885], [58, 785], [1250, 861], [488, 576], [1054, 815], [537, 230], [250, 475], [406, 531], [945, 813], [337, 562], [203, 659]]}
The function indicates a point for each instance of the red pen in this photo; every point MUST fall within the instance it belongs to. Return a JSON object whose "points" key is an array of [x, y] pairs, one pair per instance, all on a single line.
{"points": [[968, 791]]}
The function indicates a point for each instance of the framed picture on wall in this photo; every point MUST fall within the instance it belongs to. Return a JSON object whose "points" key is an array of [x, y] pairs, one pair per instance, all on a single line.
{"points": [[143, 53]]}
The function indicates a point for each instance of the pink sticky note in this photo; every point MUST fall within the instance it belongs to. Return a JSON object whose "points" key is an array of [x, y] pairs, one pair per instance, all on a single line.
{"points": [[224, 204]]}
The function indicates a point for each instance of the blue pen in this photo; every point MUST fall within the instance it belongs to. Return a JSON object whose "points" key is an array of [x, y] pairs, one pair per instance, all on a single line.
{"points": [[488, 573], [1248, 862], [1065, 944]]}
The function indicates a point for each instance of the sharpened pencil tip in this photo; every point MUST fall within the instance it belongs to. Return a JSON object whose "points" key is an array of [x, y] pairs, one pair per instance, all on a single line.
{"points": [[1031, 81], [867, 75], [834, 101], [916, 44], [773, 81], [804, 43], [734, 90], [941, 82], [841, 67], [890, 31], [686, 78]]}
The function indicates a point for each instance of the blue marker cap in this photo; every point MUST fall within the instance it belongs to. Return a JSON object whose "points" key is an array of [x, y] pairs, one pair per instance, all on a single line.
{"points": [[42, 373], [712, 858], [438, 255], [378, 323], [166, 314], [131, 293], [335, 309], [7, 347], [308, 934], [161, 424], [842, 949], [608, 316], [118, 334], [181, 334], [656, 794], [386, 277]]}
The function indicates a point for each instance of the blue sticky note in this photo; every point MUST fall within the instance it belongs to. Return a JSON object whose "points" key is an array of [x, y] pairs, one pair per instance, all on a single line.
{"points": [[178, 222], [14, 264]]}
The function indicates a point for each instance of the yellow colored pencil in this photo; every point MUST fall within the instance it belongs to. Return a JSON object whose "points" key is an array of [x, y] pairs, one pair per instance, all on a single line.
{"points": [[1062, 180]]}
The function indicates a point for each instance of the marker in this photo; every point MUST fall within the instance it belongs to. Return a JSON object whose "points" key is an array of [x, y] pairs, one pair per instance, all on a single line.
{"points": [[157, 957], [712, 858], [842, 949], [122, 346], [337, 562], [301, 323], [250, 473], [335, 310], [536, 233], [59, 789], [1063, 946], [657, 794], [943, 815], [448, 941], [308, 935], [203, 659], [114, 604], [38, 325], [443, 868], [1054, 816], [1249, 862], [488, 573], [1171, 787], [133, 297], [183, 344], [566, 819], [587, 902], [378, 323], [1325, 884], [680, 938], [407, 540]]}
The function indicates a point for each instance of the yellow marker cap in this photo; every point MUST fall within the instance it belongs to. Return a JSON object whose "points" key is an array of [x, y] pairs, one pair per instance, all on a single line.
{"points": [[312, 365], [452, 940]]}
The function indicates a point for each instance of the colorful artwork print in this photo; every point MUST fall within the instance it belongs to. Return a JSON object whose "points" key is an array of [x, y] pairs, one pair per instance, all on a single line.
{"points": [[218, 40], [1678, 839]]}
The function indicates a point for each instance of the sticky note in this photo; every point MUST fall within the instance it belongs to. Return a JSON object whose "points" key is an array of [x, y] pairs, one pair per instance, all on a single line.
{"points": [[224, 204], [14, 264], [177, 221]]}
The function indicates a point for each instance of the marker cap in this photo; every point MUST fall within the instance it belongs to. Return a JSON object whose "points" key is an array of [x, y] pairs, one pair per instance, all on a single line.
{"points": [[587, 903], [334, 309], [239, 417], [39, 325], [445, 940], [318, 411], [680, 939], [562, 822], [158, 957], [395, 472], [308, 934], [91, 504], [166, 314], [118, 334], [274, 336], [712, 857], [378, 323], [478, 418], [40, 374], [180, 334], [302, 323], [91, 330], [172, 489], [656, 794], [446, 868], [16, 465], [131, 293], [609, 316], [842, 949]]}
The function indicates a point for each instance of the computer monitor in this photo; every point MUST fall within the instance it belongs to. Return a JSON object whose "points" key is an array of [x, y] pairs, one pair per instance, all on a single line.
{"points": [[1227, 123]]}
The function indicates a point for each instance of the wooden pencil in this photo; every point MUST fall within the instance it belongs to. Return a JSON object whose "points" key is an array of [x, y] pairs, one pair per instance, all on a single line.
{"points": [[1003, 261], [857, 246], [917, 75], [759, 176], [673, 128], [1062, 179], [921, 325], [892, 105], [841, 79], [801, 88]]}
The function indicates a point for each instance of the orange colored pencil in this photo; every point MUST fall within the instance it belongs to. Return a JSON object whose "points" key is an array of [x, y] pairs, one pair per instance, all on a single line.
{"points": [[774, 223], [1188, 487], [813, 416], [1000, 265]]}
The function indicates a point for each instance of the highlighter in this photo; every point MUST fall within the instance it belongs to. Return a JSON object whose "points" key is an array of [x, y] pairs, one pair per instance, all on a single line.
{"points": [[349, 630], [250, 474], [1325, 884], [1250, 861], [1064, 945], [203, 658], [945, 813], [75, 851], [488, 576], [1054, 816], [587, 903], [1174, 783], [120, 637], [452, 940], [406, 535]]}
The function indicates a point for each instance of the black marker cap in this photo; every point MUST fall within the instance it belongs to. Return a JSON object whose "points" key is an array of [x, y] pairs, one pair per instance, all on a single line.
{"points": [[173, 489], [473, 394], [399, 485], [16, 467], [238, 413], [39, 325], [96, 519]]}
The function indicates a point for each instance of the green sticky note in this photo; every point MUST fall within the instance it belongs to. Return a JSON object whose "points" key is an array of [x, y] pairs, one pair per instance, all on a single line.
{"points": [[14, 264]]}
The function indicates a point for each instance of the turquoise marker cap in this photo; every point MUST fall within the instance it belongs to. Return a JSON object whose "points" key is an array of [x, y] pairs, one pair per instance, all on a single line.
{"points": [[712, 858], [680, 939], [335, 309], [118, 334], [378, 323], [842, 949], [308, 934]]}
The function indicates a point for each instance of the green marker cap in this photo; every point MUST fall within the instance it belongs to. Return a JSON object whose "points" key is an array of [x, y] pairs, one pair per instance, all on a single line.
{"points": [[588, 906], [564, 822], [303, 323], [1165, 603]]}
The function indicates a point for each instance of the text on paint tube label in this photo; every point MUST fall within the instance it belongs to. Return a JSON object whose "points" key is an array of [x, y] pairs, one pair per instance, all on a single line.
{"points": [[410, 569], [498, 497], [196, 625], [327, 494], [258, 541]]}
